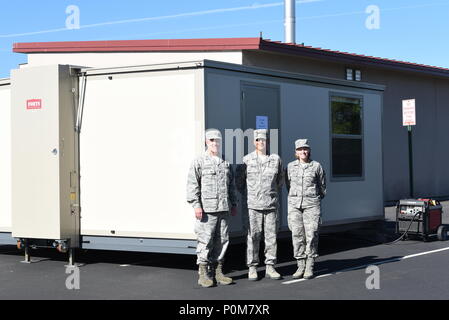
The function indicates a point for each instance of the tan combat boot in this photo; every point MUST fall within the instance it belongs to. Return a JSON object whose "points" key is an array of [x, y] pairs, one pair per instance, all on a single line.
{"points": [[272, 273], [300, 271], [220, 277], [203, 279], [252, 274], [308, 274]]}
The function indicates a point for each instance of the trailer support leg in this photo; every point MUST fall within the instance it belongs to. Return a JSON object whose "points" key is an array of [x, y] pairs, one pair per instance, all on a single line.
{"points": [[71, 257], [27, 254]]}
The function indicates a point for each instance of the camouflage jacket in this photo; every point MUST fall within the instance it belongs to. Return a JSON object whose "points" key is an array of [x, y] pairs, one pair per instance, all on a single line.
{"points": [[306, 185], [210, 186], [263, 181]]}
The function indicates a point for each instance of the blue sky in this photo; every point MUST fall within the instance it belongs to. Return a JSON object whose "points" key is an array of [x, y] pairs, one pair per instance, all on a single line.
{"points": [[409, 30]]}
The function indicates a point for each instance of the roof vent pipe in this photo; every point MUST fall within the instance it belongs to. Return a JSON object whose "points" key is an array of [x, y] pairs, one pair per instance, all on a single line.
{"points": [[290, 21]]}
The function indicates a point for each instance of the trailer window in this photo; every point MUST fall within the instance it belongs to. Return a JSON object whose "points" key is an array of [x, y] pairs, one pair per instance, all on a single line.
{"points": [[347, 137]]}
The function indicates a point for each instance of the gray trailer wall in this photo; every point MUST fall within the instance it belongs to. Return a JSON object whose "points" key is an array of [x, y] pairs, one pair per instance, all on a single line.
{"points": [[305, 113], [430, 135]]}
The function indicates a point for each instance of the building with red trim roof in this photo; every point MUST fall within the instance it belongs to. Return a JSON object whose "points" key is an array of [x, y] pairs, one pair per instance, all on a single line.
{"points": [[429, 85]]}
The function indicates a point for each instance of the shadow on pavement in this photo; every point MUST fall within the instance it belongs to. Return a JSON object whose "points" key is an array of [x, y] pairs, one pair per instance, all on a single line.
{"points": [[236, 255]]}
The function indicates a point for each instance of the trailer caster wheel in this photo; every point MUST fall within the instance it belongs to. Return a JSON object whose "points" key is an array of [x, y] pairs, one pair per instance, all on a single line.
{"points": [[442, 233]]}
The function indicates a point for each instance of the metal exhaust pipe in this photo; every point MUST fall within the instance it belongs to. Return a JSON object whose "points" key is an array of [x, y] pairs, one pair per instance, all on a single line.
{"points": [[290, 21]]}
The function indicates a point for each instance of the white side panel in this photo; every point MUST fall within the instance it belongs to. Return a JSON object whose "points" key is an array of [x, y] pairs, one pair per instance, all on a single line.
{"points": [[5, 161], [120, 59], [140, 133], [35, 167]]}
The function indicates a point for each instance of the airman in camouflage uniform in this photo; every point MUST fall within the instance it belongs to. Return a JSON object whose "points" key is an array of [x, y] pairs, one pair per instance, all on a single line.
{"points": [[306, 185], [211, 192], [263, 177]]}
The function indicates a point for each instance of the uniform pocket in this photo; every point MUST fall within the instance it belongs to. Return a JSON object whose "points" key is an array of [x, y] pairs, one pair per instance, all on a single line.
{"points": [[208, 172], [252, 178], [270, 171], [310, 178], [210, 204], [209, 184], [292, 198], [251, 170]]}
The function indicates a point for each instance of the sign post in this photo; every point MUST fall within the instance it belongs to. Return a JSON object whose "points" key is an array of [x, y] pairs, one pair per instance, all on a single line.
{"points": [[409, 120]]}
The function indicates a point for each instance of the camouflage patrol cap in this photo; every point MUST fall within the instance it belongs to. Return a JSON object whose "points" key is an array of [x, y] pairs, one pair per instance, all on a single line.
{"points": [[301, 143], [260, 134], [213, 134]]}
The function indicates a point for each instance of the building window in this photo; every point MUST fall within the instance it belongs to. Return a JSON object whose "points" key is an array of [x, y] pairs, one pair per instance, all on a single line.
{"points": [[353, 74], [347, 137], [349, 74]]}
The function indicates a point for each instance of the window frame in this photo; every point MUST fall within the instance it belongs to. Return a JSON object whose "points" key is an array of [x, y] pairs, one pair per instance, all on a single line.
{"points": [[361, 137]]}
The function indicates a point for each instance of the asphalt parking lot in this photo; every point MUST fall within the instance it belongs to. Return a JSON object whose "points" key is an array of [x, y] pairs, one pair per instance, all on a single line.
{"points": [[410, 269]]}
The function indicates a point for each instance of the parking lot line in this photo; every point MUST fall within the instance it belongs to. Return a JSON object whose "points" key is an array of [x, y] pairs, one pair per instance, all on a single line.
{"points": [[370, 264]]}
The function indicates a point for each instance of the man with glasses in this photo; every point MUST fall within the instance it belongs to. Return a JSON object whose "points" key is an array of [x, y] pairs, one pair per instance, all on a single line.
{"points": [[261, 176]]}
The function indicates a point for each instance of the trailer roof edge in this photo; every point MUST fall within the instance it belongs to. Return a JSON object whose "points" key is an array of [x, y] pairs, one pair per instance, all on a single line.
{"points": [[142, 68], [230, 67], [291, 75], [5, 82]]}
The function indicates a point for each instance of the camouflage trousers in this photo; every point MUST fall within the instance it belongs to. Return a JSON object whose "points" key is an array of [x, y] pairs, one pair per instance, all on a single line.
{"points": [[212, 236], [265, 221], [304, 225]]}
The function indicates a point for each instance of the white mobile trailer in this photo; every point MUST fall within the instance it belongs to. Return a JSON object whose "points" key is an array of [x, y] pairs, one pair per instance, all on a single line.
{"points": [[5, 162], [143, 125]]}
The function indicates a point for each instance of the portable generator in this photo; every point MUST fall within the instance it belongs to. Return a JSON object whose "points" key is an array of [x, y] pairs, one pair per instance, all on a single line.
{"points": [[422, 218]]}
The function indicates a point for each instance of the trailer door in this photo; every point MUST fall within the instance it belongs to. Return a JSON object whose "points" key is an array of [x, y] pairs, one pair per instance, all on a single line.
{"points": [[260, 110]]}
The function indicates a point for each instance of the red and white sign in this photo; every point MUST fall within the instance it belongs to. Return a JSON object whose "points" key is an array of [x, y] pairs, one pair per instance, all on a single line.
{"points": [[34, 104], [408, 112]]}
